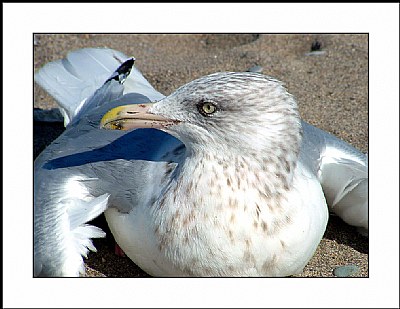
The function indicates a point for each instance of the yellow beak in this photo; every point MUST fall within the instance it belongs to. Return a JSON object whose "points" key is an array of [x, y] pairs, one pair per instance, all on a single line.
{"points": [[134, 116]]}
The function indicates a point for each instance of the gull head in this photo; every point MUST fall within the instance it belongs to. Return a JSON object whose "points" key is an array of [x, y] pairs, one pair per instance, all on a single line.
{"points": [[235, 113]]}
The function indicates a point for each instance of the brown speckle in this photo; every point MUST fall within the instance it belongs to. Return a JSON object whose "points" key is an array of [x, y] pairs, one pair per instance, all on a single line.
{"points": [[248, 257], [283, 244], [214, 170], [232, 218], [163, 242], [195, 185], [286, 186], [287, 166], [186, 239], [253, 154], [264, 226], [267, 161], [276, 164], [271, 209], [243, 174], [175, 192], [258, 211], [216, 221], [267, 191], [228, 182], [185, 221], [162, 202], [176, 216], [230, 233], [189, 187], [187, 271], [212, 182], [279, 175], [269, 265], [255, 224], [189, 218], [232, 202]]}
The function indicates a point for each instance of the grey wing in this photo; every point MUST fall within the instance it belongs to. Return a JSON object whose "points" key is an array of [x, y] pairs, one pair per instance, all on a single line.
{"points": [[342, 171], [83, 172], [86, 169]]}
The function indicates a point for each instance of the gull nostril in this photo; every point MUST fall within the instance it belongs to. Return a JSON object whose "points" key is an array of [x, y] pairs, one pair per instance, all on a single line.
{"points": [[131, 112]]}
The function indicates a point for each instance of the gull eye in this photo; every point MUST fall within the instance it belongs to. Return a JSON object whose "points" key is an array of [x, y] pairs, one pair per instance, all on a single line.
{"points": [[206, 108]]}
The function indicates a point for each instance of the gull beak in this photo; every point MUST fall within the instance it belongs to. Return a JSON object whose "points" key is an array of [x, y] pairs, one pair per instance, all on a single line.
{"points": [[134, 116]]}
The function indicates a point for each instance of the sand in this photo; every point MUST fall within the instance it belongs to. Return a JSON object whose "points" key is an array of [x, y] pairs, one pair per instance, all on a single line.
{"points": [[331, 87]]}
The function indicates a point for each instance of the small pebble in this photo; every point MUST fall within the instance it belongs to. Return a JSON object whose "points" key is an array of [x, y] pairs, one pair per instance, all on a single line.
{"points": [[345, 271], [256, 69], [316, 45]]}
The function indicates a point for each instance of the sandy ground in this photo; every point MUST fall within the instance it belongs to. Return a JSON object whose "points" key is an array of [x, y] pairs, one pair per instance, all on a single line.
{"points": [[331, 88]]}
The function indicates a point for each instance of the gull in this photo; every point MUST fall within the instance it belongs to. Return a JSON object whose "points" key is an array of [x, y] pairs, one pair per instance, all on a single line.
{"points": [[219, 178]]}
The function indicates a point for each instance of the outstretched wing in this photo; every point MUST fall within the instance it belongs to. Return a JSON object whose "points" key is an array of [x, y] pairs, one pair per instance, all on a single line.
{"points": [[74, 79]]}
